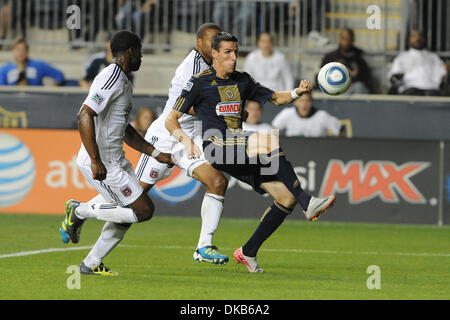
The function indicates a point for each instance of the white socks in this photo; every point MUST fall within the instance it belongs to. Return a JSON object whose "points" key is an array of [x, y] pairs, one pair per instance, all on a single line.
{"points": [[212, 207], [106, 212], [112, 234]]}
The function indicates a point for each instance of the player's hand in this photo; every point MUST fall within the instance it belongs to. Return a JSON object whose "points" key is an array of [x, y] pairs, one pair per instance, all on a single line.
{"points": [[165, 158], [98, 170], [304, 87], [192, 151]]}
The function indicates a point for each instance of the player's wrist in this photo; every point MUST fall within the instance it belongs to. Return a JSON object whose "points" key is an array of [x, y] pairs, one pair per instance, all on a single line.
{"points": [[294, 94], [155, 153]]}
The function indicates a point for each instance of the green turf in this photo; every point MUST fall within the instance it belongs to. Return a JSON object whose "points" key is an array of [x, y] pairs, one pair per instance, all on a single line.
{"points": [[301, 260]]}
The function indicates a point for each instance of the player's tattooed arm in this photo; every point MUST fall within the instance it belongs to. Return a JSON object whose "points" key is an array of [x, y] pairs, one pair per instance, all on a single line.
{"points": [[174, 128], [86, 127], [280, 98], [137, 142]]}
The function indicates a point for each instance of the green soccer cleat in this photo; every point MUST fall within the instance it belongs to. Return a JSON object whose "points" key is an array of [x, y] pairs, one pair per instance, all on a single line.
{"points": [[71, 225], [101, 270]]}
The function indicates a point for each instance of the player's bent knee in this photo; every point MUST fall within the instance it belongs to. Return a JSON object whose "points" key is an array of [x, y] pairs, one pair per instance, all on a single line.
{"points": [[144, 213], [287, 201], [219, 183]]}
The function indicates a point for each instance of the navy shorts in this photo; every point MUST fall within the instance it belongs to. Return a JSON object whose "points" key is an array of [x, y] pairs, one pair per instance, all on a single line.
{"points": [[229, 156]]}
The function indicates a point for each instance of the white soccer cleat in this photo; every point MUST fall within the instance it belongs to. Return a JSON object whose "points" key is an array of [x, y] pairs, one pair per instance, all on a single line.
{"points": [[250, 262], [317, 206]]}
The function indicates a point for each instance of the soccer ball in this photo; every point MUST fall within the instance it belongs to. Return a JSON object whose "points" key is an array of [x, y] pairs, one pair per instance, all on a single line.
{"points": [[334, 78]]}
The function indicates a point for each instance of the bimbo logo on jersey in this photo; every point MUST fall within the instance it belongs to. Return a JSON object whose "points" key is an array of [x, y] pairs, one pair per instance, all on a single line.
{"points": [[228, 108], [383, 179]]}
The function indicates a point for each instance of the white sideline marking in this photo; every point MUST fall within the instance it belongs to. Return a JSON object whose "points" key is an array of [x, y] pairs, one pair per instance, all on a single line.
{"points": [[30, 253], [410, 254]]}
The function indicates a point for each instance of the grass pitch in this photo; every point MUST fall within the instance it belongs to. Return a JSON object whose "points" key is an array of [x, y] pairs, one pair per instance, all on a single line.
{"points": [[302, 261]]}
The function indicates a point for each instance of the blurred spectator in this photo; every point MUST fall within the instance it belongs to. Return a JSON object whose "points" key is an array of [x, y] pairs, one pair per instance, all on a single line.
{"points": [[229, 14], [352, 58], [417, 71], [253, 122], [132, 15], [144, 118], [315, 10], [25, 71], [305, 120], [269, 66]]}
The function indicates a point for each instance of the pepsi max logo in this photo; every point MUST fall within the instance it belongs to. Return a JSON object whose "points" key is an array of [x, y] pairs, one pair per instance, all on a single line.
{"points": [[228, 108], [17, 170]]}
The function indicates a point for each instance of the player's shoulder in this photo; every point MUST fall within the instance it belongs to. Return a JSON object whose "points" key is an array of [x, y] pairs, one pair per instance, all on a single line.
{"points": [[109, 78], [203, 75]]}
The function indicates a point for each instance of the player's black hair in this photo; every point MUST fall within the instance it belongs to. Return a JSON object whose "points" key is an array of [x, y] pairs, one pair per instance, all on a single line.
{"points": [[222, 36], [202, 29], [124, 40]]}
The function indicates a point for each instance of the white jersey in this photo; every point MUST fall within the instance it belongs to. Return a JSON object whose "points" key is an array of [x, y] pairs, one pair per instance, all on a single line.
{"points": [[110, 97], [191, 65], [319, 124]]}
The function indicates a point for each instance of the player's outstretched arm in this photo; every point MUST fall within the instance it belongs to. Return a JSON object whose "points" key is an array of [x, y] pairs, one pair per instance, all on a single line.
{"points": [[175, 130], [137, 142], [280, 98], [86, 127]]}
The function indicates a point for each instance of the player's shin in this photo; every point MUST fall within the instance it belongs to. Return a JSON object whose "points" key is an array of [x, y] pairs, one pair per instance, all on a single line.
{"points": [[277, 164], [271, 220], [106, 212], [112, 234], [211, 211]]}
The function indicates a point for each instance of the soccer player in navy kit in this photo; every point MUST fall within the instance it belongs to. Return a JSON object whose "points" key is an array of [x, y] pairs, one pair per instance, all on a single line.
{"points": [[218, 96]]}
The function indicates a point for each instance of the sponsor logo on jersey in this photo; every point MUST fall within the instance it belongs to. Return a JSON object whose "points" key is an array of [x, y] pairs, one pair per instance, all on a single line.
{"points": [[98, 98], [188, 86], [126, 191], [383, 179], [232, 108]]}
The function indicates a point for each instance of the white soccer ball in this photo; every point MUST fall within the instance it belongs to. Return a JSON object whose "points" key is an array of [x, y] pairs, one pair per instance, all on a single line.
{"points": [[334, 78]]}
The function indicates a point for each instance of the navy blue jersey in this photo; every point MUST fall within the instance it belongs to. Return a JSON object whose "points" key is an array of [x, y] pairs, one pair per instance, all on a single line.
{"points": [[219, 102]]}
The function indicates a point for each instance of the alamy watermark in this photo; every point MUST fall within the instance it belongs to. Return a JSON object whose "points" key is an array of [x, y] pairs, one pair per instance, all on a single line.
{"points": [[374, 20], [74, 280], [374, 280], [74, 20]]}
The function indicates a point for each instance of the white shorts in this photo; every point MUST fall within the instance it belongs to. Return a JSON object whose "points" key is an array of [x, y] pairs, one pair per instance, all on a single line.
{"points": [[120, 186], [151, 171]]}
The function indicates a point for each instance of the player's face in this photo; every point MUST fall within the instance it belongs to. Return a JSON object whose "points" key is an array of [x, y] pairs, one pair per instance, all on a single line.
{"points": [[135, 58], [226, 57], [205, 43]]}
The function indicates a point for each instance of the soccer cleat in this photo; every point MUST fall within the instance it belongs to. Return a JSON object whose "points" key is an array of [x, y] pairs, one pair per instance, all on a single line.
{"points": [[210, 254], [101, 270], [317, 206], [250, 262], [71, 225]]}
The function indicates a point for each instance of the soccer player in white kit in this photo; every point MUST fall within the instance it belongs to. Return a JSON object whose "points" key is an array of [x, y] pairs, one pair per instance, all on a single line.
{"points": [[104, 126], [149, 171]]}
